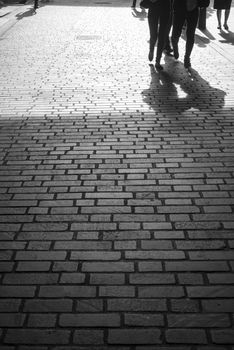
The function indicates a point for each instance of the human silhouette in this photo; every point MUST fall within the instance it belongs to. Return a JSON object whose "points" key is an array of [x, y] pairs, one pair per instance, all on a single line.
{"points": [[184, 10], [167, 48], [158, 20]]}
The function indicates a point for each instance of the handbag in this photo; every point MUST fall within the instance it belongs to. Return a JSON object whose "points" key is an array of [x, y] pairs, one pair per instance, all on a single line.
{"points": [[203, 3]]}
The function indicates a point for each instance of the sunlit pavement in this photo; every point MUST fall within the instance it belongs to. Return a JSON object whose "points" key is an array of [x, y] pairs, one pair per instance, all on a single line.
{"points": [[117, 224]]}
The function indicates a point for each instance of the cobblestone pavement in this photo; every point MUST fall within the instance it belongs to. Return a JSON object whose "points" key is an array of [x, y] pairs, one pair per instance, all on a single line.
{"points": [[117, 190]]}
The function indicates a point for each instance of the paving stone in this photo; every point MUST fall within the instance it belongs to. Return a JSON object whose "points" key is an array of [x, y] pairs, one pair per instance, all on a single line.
{"points": [[219, 305], [143, 320], [134, 336], [31, 336], [161, 292], [107, 278], [30, 278], [90, 305], [93, 337], [210, 292], [142, 305], [89, 320], [151, 278], [11, 319], [108, 267], [186, 336], [184, 305], [197, 321], [48, 305], [67, 291], [42, 320], [225, 336]]}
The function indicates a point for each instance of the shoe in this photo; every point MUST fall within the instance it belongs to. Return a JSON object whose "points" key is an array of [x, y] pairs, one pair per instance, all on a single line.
{"points": [[219, 27], [187, 63], [151, 55], [158, 66], [175, 49], [225, 26]]}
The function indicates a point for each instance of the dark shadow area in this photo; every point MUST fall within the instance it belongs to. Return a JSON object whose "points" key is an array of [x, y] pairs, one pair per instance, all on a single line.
{"points": [[10, 2], [201, 41], [28, 13], [208, 34], [141, 15], [228, 37], [94, 3], [5, 14], [179, 90], [82, 3]]}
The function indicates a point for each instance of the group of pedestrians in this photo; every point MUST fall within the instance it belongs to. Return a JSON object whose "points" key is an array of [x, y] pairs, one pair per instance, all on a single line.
{"points": [[164, 14]]}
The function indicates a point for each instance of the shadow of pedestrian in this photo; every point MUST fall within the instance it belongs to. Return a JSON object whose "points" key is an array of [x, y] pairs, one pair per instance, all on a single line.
{"points": [[27, 13], [141, 15], [178, 91], [5, 14], [208, 34], [201, 41], [227, 36]]}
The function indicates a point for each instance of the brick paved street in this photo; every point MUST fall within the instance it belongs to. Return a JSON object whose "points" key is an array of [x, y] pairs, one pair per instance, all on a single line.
{"points": [[116, 183]]}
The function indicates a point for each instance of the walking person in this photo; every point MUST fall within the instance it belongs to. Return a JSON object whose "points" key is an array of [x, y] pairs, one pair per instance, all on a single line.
{"points": [[158, 19], [167, 48], [184, 10], [220, 5]]}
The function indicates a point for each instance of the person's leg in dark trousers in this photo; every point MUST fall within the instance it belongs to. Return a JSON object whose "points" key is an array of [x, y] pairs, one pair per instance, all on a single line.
{"points": [[178, 22], [134, 3], [162, 33], [153, 19], [167, 47], [192, 18], [35, 4], [226, 16]]}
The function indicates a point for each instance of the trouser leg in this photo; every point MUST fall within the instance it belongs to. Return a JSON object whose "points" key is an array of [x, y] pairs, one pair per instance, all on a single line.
{"points": [[153, 27], [167, 40], [178, 22], [219, 12], [226, 16], [162, 33], [192, 18]]}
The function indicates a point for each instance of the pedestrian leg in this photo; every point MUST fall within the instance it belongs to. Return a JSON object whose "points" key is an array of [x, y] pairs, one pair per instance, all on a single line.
{"points": [[226, 16], [178, 22], [163, 31], [35, 4], [192, 19], [134, 3], [219, 12], [153, 18]]}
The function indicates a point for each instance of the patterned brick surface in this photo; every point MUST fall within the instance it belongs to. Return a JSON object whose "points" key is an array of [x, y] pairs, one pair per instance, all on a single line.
{"points": [[116, 185]]}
